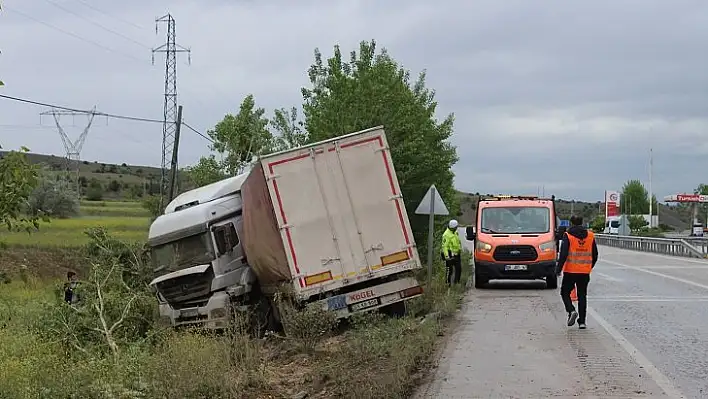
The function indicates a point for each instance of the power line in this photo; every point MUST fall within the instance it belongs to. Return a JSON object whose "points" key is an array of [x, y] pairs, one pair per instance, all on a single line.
{"points": [[107, 14], [205, 137], [73, 35], [114, 116], [97, 113], [94, 23]]}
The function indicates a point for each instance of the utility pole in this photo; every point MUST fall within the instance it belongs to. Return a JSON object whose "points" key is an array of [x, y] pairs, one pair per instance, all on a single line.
{"points": [[169, 125], [73, 148], [175, 151], [651, 195]]}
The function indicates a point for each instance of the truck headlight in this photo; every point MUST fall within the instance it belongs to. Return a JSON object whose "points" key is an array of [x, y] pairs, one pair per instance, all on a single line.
{"points": [[482, 246], [547, 246]]}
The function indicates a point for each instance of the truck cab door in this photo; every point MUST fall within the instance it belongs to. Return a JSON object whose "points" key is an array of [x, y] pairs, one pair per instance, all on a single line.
{"points": [[230, 255]]}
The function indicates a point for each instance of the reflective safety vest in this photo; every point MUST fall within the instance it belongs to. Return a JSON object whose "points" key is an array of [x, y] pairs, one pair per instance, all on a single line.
{"points": [[450, 243], [579, 254]]}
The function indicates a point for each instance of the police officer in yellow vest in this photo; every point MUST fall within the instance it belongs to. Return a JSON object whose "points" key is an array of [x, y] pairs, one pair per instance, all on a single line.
{"points": [[450, 251], [577, 258]]}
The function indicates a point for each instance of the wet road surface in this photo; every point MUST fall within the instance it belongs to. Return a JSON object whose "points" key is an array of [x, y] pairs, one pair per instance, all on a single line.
{"points": [[647, 336]]}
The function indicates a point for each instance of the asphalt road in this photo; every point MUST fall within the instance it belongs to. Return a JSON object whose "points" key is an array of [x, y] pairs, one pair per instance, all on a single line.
{"points": [[647, 336]]}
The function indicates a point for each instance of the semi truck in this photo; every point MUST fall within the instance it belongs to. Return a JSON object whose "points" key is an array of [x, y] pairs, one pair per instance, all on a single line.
{"points": [[327, 221], [516, 238]]}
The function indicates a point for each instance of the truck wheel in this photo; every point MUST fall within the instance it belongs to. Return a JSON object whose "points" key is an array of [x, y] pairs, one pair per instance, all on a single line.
{"points": [[552, 281], [395, 310], [479, 281]]}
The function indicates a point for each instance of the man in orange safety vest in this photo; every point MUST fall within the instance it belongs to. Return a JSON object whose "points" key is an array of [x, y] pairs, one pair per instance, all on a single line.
{"points": [[577, 258]]}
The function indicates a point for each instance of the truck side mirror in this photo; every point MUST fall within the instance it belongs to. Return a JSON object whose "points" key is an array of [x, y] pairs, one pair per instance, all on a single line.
{"points": [[470, 233]]}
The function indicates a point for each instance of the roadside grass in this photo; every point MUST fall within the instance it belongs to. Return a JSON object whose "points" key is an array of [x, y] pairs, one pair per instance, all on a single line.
{"points": [[69, 233], [376, 357]]}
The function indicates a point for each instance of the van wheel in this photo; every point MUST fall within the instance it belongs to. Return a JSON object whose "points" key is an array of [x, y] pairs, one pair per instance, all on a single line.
{"points": [[552, 281], [479, 281]]}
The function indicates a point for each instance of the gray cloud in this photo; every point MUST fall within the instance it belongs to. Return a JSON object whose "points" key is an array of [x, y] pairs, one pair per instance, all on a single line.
{"points": [[566, 95]]}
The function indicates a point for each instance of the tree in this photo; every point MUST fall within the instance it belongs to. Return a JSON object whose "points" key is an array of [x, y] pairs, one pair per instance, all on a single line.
{"points": [[208, 170], [370, 90], [114, 186], [635, 199], [290, 130], [242, 136], [95, 190], [54, 197], [637, 222], [18, 178], [598, 224]]}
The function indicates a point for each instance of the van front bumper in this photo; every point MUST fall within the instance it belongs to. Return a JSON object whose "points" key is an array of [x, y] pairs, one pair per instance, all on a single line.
{"points": [[508, 271]]}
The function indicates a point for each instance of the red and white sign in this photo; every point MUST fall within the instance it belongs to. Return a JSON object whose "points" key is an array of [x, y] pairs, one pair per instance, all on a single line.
{"points": [[612, 204], [687, 198]]}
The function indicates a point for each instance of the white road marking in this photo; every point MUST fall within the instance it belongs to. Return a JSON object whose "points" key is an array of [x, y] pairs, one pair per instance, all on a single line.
{"points": [[640, 269], [607, 277], [659, 378], [683, 259]]}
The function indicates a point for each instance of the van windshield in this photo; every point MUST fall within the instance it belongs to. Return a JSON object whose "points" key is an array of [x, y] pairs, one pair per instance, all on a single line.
{"points": [[516, 220], [615, 224], [183, 253]]}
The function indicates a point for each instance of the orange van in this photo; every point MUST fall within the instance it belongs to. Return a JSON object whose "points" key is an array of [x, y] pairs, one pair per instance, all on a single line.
{"points": [[515, 237]]}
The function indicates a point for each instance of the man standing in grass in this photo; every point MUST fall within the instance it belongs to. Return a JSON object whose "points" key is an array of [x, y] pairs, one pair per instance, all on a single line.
{"points": [[72, 282], [451, 248]]}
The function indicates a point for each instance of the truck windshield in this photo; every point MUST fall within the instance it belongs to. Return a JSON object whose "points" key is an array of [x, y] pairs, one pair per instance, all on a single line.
{"points": [[516, 220], [186, 252]]}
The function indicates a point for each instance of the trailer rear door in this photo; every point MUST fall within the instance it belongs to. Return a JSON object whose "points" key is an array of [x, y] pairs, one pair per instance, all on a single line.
{"points": [[340, 211]]}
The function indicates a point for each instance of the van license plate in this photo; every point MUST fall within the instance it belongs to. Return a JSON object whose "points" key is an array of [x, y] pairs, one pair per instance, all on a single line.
{"points": [[515, 267], [365, 304]]}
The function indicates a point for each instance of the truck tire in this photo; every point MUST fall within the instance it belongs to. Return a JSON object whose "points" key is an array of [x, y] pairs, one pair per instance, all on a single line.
{"points": [[395, 310], [479, 281], [552, 281]]}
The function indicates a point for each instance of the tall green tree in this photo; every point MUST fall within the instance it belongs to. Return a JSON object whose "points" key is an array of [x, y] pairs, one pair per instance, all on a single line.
{"points": [[371, 89], [242, 136], [635, 199], [703, 208], [289, 131], [208, 170], [18, 179]]}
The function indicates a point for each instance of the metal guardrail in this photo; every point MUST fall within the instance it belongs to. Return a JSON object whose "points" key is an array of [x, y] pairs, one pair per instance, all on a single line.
{"points": [[690, 247]]}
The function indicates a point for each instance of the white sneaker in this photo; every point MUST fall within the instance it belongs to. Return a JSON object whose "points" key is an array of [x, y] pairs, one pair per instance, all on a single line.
{"points": [[582, 326]]}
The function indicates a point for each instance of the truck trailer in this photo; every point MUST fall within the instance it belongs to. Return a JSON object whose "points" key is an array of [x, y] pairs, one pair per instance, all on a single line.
{"points": [[327, 221]]}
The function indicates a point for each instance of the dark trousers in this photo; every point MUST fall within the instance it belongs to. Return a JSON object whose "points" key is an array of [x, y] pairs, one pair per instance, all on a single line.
{"points": [[580, 282], [453, 269]]}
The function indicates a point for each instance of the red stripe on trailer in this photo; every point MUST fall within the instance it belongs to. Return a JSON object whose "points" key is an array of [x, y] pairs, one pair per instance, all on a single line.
{"points": [[285, 219], [393, 191]]}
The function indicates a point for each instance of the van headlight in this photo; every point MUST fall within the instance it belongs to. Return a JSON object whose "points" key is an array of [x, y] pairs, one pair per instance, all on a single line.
{"points": [[547, 246], [482, 246]]}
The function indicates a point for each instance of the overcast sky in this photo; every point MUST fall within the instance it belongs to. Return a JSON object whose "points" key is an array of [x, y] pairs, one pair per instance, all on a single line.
{"points": [[569, 95]]}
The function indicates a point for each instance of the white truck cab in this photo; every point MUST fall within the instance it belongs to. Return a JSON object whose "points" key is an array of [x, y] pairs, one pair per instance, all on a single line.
{"points": [[197, 254]]}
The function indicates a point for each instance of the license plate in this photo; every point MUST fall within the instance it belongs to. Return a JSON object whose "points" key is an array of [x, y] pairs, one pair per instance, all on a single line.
{"points": [[365, 304], [189, 312], [515, 267], [336, 302]]}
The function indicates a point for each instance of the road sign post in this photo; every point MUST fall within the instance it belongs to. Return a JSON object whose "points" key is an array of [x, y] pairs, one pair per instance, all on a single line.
{"points": [[431, 204]]}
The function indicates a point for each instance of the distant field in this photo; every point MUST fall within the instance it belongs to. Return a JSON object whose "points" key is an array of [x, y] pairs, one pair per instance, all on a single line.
{"points": [[113, 208], [127, 221]]}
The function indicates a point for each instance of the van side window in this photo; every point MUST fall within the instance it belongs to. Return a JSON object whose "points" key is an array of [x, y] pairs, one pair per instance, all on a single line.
{"points": [[226, 238]]}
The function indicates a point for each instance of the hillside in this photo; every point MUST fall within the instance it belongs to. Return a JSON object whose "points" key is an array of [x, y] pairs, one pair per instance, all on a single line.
{"points": [[117, 181], [675, 217]]}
